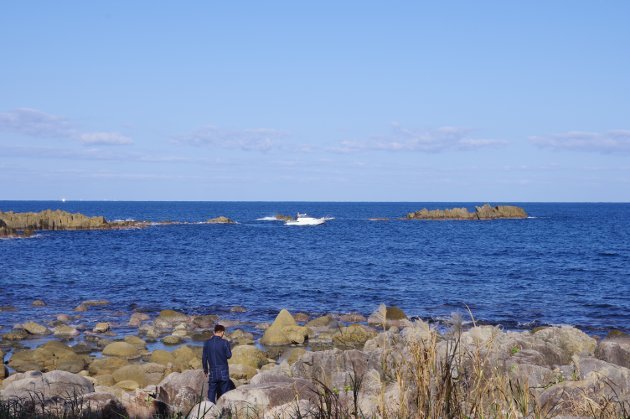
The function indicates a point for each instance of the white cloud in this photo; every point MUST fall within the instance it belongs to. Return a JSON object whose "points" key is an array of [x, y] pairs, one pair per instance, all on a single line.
{"points": [[604, 142], [256, 139], [35, 123], [429, 141], [104, 138]]}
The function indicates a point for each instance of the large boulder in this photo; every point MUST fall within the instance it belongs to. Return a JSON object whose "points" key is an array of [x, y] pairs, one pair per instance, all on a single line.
{"points": [[335, 368], [143, 374], [388, 316], [353, 336], [51, 356], [595, 385], [284, 331], [182, 391], [204, 410], [248, 355], [45, 385], [35, 328], [65, 331], [615, 349], [564, 342], [106, 365], [321, 322], [253, 399], [136, 319], [168, 319], [122, 350]]}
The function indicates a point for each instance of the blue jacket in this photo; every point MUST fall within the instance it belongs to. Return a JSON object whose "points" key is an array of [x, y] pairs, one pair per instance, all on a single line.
{"points": [[216, 352]]}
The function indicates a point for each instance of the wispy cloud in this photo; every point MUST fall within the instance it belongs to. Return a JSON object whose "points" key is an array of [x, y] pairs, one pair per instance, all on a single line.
{"points": [[103, 138], [35, 123], [428, 141], [604, 142], [255, 139]]}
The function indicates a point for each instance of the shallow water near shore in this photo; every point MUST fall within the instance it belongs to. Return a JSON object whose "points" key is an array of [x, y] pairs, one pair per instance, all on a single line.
{"points": [[567, 264]]}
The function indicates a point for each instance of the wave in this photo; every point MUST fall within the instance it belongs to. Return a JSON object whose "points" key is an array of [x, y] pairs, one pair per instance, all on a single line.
{"points": [[272, 218]]}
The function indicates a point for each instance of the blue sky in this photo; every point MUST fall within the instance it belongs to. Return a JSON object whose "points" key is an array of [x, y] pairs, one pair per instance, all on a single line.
{"points": [[345, 101]]}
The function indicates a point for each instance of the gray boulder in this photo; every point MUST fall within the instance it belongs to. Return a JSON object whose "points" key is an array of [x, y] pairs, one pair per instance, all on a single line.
{"points": [[182, 391], [45, 385]]}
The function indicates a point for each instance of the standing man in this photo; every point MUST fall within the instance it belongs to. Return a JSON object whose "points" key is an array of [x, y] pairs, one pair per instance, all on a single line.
{"points": [[216, 352]]}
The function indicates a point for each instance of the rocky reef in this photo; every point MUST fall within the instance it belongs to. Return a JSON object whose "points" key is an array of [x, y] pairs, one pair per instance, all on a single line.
{"points": [[343, 366], [220, 220], [485, 212], [23, 224]]}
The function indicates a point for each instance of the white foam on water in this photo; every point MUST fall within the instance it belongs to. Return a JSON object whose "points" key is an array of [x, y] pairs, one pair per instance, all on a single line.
{"points": [[273, 218]]}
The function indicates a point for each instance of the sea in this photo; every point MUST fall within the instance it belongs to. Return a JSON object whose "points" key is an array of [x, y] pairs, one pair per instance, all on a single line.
{"points": [[568, 263]]}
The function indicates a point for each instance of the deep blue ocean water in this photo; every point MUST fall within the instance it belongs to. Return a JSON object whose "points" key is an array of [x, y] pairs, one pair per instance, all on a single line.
{"points": [[568, 264]]}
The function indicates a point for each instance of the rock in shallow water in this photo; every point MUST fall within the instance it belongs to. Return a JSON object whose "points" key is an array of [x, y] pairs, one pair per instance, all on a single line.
{"points": [[284, 331]]}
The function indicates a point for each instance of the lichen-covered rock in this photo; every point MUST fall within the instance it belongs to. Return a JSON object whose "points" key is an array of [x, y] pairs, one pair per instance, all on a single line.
{"points": [[247, 355], [391, 316], [331, 366], [101, 327], [136, 319], [45, 386], [143, 374], [241, 338], [171, 340], [284, 331], [162, 357], [48, 357], [122, 350], [106, 365], [322, 321], [242, 372], [183, 390], [65, 331], [254, 398], [615, 349], [353, 336], [35, 328], [206, 321]]}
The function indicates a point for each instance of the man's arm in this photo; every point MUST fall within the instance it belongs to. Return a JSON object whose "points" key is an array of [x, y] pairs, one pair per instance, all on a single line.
{"points": [[205, 358], [228, 351]]}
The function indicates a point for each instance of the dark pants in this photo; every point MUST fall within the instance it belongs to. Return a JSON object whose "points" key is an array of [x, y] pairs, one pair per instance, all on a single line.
{"points": [[218, 383]]}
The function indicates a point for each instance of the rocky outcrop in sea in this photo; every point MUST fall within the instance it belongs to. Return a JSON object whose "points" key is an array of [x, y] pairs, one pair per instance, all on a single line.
{"points": [[23, 224], [485, 212]]}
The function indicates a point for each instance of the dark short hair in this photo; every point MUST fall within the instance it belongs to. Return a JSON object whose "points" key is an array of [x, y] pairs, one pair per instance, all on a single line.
{"points": [[219, 328]]}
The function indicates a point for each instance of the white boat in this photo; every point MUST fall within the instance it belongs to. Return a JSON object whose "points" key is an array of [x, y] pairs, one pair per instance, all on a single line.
{"points": [[305, 220]]}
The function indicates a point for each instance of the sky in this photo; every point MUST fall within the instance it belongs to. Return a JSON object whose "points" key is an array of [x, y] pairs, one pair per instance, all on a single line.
{"points": [[315, 101]]}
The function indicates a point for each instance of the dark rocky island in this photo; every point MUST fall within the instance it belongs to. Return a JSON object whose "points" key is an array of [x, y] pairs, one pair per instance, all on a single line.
{"points": [[485, 212], [23, 224]]}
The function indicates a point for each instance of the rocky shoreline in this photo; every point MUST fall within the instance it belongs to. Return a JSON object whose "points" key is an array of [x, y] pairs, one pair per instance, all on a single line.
{"points": [[385, 365]]}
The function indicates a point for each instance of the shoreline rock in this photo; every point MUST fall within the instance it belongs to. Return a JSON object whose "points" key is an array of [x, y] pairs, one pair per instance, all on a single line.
{"points": [[558, 365]]}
